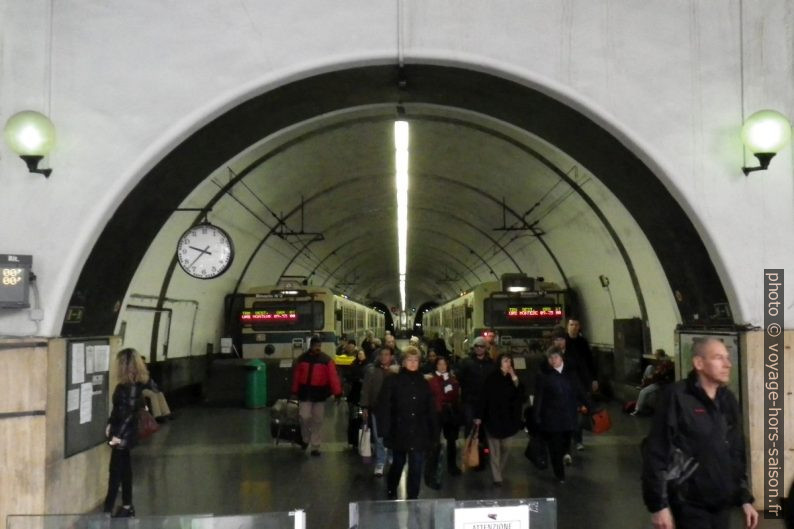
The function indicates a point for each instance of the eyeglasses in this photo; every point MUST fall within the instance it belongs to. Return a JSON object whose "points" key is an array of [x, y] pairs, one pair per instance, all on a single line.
{"points": [[479, 345]]}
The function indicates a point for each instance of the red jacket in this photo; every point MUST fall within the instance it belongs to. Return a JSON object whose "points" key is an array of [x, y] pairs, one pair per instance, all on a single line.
{"points": [[314, 378], [451, 397]]}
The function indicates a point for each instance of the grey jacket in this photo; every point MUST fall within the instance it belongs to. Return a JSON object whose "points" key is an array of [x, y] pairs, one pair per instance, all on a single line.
{"points": [[374, 375]]}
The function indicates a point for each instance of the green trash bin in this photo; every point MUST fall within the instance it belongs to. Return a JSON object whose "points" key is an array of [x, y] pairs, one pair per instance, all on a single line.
{"points": [[256, 384]]}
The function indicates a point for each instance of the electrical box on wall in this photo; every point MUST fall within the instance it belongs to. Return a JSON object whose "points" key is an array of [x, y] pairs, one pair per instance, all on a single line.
{"points": [[15, 281]]}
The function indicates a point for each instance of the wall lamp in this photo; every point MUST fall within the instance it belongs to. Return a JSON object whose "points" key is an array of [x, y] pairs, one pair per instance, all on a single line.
{"points": [[765, 133], [31, 135]]}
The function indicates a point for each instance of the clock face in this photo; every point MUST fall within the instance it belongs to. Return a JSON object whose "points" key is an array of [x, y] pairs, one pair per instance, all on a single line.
{"points": [[205, 251]]}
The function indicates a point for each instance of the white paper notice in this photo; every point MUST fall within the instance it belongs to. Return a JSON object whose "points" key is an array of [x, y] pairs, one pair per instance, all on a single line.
{"points": [[89, 359], [101, 358], [73, 400], [86, 392], [510, 517], [78, 363]]}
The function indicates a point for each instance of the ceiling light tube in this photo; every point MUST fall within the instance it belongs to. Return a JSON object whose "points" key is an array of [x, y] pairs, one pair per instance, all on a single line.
{"points": [[401, 141]]}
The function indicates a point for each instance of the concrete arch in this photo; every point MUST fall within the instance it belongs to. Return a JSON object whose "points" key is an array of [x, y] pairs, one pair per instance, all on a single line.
{"points": [[610, 158]]}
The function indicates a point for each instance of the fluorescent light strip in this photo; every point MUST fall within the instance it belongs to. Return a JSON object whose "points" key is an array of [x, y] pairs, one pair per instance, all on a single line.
{"points": [[401, 182]]}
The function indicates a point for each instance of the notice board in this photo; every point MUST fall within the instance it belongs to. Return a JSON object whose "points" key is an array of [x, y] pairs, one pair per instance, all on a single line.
{"points": [[87, 372]]}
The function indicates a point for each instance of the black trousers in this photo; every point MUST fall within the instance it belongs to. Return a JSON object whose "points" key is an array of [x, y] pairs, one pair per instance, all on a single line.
{"points": [[415, 459], [559, 444], [120, 474], [432, 462], [688, 516]]}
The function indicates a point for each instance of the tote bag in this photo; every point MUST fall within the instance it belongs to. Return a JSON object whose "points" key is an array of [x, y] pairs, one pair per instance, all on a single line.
{"points": [[471, 450], [364, 443]]}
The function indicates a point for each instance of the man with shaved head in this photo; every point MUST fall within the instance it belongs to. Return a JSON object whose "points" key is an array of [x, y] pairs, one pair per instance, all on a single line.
{"points": [[694, 467]]}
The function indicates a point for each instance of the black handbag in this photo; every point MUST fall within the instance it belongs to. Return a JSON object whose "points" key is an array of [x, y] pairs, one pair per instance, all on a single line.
{"points": [[536, 452]]}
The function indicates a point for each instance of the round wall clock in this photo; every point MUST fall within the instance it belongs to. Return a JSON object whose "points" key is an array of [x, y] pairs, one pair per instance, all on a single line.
{"points": [[205, 251]]}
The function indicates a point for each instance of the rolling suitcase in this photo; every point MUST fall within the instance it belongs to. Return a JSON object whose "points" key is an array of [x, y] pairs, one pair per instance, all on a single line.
{"points": [[285, 421]]}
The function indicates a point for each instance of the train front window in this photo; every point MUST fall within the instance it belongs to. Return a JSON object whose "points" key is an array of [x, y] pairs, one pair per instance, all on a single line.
{"points": [[280, 316]]}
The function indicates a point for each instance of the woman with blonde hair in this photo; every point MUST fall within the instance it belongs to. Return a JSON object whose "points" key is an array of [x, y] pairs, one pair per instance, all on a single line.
{"points": [[122, 428], [408, 422]]}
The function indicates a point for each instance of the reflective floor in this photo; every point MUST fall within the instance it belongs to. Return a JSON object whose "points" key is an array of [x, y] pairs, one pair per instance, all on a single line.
{"points": [[223, 461]]}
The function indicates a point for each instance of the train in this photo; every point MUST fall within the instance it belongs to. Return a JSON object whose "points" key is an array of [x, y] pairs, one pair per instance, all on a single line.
{"points": [[517, 319], [277, 322]]}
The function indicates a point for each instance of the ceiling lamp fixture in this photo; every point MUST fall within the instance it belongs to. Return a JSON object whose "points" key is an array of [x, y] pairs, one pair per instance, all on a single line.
{"points": [[765, 133], [31, 135], [401, 178]]}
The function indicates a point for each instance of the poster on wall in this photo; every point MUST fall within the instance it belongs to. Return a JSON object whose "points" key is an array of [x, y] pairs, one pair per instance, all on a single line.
{"points": [[684, 361]]}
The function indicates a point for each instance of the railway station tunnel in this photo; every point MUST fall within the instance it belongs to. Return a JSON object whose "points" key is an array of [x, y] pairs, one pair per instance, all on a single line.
{"points": [[399, 156]]}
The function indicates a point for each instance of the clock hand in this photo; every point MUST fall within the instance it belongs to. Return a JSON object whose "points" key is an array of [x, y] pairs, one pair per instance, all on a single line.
{"points": [[199, 255], [204, 251]]}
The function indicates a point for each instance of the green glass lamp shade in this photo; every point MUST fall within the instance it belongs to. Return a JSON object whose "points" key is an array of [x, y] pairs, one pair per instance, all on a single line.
{"points": [[30, 133], [766, 131]]}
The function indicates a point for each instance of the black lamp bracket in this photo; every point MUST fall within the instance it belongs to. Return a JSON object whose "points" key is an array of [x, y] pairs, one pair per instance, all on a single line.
{"points": [[763, 159], [32, 161]]}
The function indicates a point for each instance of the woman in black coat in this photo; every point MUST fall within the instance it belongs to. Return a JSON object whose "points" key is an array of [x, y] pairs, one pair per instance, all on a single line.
{"points": [[558, 399], [122, 428], [503, 397], [407, 420]]}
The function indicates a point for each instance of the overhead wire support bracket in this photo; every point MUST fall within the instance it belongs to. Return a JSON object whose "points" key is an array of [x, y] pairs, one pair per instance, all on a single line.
{"points": [[523, 226], [282, 231]]}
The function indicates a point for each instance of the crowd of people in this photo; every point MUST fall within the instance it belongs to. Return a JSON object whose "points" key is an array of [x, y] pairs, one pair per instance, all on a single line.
{"points": [[417, 401], [694, 467]]}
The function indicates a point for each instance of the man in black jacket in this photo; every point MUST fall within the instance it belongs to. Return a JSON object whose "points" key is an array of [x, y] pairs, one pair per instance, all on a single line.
{"points": [[694, 465], [578, 354], [472, 372]]}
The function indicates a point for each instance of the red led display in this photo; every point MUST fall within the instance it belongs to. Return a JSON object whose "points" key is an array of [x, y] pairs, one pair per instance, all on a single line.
{"points": [[266, 316], [534, 313]]}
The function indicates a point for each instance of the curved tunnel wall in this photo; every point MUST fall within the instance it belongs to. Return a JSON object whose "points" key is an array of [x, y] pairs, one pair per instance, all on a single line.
{"points": [[140, 217]]}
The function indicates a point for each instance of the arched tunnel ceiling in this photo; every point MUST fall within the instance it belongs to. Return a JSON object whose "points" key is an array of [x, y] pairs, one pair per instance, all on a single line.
{"points": [[343, 167], [475, 139]]}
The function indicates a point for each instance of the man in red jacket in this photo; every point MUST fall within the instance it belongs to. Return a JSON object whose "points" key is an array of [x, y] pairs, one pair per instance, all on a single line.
{"points": [[314, 379]]}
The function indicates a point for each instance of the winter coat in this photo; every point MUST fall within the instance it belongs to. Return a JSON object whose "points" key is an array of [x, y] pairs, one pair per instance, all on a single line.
{"points": [[355, 377], [501, 405], [472, 374], [710, 431], [314, 378], [127, 402], [450, 396], [582, 360], [374, 375], [407, 415], [557, 399]]}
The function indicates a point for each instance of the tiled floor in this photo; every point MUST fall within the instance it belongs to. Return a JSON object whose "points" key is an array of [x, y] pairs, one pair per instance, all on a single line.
{"points": [[223, 461]]}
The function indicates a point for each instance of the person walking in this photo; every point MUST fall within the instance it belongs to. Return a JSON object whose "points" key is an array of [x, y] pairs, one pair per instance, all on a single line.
{"points": [[694, 467], [500, 412], [314, 379], [558, 399], [446, 393], [122, 428], [408, 422], [578, 355], [374, 375], [471, 373]]}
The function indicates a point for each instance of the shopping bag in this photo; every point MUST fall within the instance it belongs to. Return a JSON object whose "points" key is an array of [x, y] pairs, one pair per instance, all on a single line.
{"points": [[364, 444], [536, 452], [471, 450], [601, 421], [146, 424]]}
